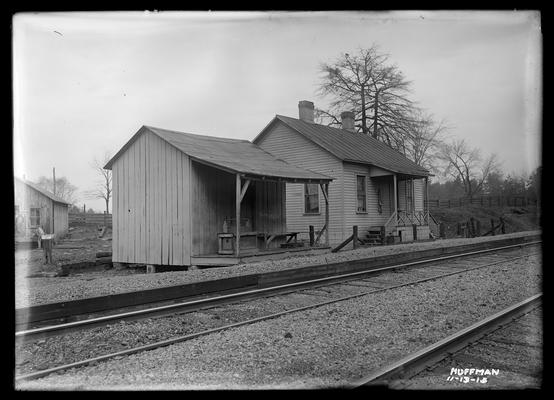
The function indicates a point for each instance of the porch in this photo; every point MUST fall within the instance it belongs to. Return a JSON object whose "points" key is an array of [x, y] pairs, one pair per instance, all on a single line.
{"points": [[409, 218], [255, 255], [257, 201]]}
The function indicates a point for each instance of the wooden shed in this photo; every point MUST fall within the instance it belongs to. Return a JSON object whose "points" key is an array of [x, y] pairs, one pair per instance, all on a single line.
{"points": [[177, 198], [375, 187], [36, 207]]}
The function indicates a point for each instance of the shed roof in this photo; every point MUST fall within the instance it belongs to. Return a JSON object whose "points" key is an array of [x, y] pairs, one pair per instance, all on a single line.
{"points": [[351, 146], [46, 193], [232, 155]]}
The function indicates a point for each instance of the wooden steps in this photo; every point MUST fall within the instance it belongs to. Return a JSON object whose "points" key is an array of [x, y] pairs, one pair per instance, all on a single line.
{"points": [[373, 236]]}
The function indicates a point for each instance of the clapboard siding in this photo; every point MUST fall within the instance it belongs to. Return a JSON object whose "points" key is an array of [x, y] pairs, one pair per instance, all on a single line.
{"points": [[371, 217], [289, 145], [151, 222]]}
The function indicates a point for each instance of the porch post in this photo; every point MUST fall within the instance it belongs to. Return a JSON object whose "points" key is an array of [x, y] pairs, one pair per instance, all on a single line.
{"points": [[427, 198], [237, 214], [413, 195], [395, 196], [327, 213]]}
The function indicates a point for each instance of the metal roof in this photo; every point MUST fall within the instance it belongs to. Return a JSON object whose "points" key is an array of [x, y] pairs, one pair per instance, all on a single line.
{"points": [[352, 146], [232, 155], [48, 194]]}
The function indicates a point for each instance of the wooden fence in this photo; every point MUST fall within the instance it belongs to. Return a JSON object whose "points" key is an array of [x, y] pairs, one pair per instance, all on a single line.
{"points": [[515, 201], [76, 219]]}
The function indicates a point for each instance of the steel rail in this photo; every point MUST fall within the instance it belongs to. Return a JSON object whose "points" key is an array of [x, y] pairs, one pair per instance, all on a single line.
{"points": [[19, 335], [167, 342], [416, 362]]}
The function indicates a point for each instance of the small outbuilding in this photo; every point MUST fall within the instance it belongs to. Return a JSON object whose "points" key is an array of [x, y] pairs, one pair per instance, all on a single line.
{"points": [[182, 199], [36, 207]]}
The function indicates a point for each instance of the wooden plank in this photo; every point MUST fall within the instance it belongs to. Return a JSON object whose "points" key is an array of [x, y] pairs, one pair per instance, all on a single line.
{"points": [[187, 189], [237, 214], [148, 198], [124, 213], [178, 242], [172, 203], [163, 201], [244, 189], [141, 201]]}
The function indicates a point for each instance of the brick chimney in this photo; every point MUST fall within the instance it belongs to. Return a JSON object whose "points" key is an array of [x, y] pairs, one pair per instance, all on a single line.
{"points": [[306, 111], [347, 118]]}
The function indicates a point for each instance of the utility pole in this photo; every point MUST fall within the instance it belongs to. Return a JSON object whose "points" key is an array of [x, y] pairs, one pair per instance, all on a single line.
{"points": [[54, 179]]}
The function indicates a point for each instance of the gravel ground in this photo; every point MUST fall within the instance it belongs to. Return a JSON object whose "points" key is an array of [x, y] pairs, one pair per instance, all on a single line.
{"points": [[515, 350], [324, 347], [77, 346], [55, 289]]}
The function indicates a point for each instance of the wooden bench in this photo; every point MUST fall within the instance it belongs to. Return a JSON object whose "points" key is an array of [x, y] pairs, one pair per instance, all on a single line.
{"points": [[226, 241], [269, 237]]}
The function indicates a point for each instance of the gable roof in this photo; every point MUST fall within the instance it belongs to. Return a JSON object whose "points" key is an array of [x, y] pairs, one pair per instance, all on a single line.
{"points": [[351, 146], [232, 155], [46, 193]]}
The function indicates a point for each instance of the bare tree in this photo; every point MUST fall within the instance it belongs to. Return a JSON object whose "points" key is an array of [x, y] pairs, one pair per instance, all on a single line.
{"points": [[424, 139], [63, 189], [373, 89], [466, 164], [103, 186]]}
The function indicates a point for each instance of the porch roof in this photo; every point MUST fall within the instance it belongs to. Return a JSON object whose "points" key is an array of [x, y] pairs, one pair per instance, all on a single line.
{"points": [[232, 155]]}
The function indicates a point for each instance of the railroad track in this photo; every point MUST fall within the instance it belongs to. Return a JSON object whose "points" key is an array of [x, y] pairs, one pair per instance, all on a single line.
{"points": [[42, 329], [316, 293], [427, 358]]}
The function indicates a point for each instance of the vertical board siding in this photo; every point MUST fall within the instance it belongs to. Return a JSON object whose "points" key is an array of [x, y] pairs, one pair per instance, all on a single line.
{"points": [[212, 200], [419, 193], [270, 208], [289, 145], [150, 182], [115, 221], [61, 218], [401, 187], [53, 215]]}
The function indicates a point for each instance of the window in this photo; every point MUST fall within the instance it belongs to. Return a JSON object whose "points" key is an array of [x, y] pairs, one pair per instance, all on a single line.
{"points": [[361, 193], [311, 198], [35, 217]]}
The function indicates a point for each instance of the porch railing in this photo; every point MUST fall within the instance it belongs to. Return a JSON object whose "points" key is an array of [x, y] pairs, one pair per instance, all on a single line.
{"points": [[404, 218]]}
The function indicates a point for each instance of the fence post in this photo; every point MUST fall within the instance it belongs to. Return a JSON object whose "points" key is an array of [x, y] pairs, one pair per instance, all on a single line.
{"points": [[414, 227], [383, 235], [502, 225], [355, 236], [312, 235]]}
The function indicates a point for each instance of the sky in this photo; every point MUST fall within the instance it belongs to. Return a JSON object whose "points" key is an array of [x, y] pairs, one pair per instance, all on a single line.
{"points": [[84, 83]]}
